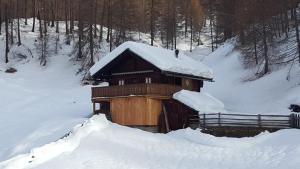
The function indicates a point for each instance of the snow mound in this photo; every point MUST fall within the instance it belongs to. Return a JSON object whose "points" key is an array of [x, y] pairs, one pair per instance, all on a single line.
{"points": [[64, 145], [202, 102], [162, 58], [111, 146]]}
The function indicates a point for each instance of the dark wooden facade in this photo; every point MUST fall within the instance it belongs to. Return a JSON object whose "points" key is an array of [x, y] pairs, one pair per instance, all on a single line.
{"points": [[139, 93]]}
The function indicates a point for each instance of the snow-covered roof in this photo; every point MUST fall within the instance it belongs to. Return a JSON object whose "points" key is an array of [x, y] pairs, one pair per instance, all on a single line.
{"points": [[201, 102], [162, 58]]}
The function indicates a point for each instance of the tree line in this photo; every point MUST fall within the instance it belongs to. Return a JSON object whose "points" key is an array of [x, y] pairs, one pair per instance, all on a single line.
{"points": [[95, 21], [88, 23], [258, 24]]}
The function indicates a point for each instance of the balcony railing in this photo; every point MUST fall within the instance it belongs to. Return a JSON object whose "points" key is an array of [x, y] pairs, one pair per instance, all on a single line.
{"points": [[135, 89]]}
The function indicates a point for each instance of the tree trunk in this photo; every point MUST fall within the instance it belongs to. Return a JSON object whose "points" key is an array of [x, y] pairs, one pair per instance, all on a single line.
{"points": [[80, 34], [266, 58], [0, 17], [40, 25], [71, 18], [45, 17], [95, 18], [102, 21], [108, 21], [25, 12], [152, 22], [91, 43], [6, 34], [297, 32], [175, 24], [33, 13], [66, 17], [191, 45], [18, 20]]}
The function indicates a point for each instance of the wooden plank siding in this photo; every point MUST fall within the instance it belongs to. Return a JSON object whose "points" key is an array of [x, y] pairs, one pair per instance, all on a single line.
{"points": [[135, 89], [136, 111]]}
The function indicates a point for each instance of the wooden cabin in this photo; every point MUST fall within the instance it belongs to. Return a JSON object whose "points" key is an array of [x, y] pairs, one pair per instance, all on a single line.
{"points": [[141, 82]]}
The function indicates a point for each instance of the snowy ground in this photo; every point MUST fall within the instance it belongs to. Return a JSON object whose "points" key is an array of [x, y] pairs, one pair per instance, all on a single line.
{"points": [[100, 144]]}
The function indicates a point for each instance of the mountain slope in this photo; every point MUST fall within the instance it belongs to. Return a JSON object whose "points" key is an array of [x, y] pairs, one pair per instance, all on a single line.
{"points": [[270, 94]]}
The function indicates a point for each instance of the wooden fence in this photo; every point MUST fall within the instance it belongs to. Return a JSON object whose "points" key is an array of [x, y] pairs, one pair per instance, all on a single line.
{"points": [[218, 120]]}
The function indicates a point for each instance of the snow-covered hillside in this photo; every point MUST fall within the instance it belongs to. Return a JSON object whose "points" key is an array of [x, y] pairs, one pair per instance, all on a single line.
{"points": [[240, 92], [100, 144], [38, 104]]}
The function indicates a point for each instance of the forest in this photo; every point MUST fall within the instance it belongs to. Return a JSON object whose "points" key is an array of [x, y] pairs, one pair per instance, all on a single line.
{"points": [[257, 24]]}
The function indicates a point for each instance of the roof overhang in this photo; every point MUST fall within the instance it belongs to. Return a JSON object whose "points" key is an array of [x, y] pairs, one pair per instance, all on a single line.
{"points": [[174, 74]]}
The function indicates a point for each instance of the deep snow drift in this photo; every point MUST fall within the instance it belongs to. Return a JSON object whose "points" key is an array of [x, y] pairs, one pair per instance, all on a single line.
{"points": [[100, 144]]}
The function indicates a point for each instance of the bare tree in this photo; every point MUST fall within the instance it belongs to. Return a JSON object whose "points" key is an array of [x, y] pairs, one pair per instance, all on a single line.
{"points": [[6, 34]]}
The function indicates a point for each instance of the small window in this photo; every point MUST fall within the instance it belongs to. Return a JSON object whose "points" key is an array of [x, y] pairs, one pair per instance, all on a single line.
{"points": [[121, 82], [148, 80], [178, 81]]}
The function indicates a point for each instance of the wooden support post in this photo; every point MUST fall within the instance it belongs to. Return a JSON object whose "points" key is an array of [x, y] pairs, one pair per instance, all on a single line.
{"points": [[94, 108], [166, 119]]}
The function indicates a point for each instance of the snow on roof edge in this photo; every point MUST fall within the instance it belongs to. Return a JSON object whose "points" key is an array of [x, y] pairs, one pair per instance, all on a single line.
{"points": [[201, 102]]}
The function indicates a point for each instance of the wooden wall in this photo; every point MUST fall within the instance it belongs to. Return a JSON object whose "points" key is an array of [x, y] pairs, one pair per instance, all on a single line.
{"points": [[178, 114], [135, 111]]}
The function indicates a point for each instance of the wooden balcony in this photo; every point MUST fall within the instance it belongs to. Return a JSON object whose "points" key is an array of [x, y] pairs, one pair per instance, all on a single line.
{"points": [[159, 90]]}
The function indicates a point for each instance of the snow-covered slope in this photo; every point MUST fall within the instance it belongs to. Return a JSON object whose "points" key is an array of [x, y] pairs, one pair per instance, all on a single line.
{"points": [[38, 104], [99, 144], [271, 94]]}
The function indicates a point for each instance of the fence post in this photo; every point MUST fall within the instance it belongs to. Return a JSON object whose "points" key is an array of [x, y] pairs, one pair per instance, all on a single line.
{"points": [[259, 120], [204, 121], [296, 120], [219, 119], [292, 120]]}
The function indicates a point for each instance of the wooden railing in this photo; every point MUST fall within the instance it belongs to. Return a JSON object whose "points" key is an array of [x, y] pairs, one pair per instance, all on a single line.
{"points": [[135, 89], [241, 120]]}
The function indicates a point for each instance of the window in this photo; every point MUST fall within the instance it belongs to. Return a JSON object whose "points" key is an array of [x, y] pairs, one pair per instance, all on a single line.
{"points": [[148, 80], [178, 81], [121, 82]]}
